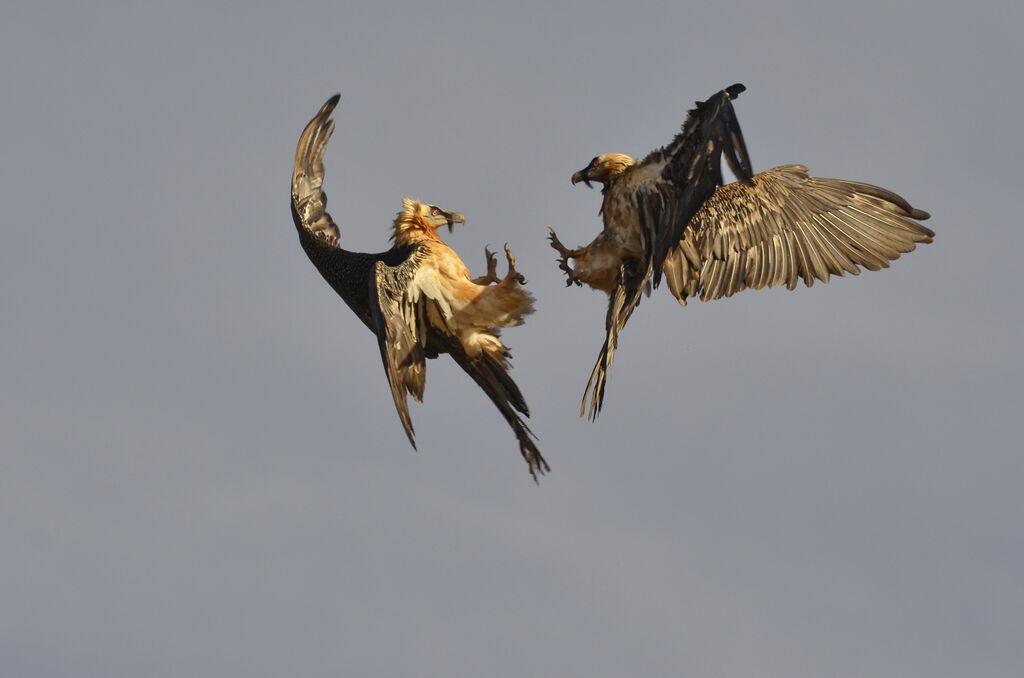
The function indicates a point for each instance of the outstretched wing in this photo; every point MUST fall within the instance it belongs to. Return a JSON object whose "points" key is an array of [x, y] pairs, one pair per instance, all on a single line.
{"points": [[401, 330], [787, 225], [308, 200]]}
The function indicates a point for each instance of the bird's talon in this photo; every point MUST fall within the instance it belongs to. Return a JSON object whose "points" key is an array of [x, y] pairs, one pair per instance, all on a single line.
{"points": [[563, 261], [492, 270], [492, 263], [513, 274]]}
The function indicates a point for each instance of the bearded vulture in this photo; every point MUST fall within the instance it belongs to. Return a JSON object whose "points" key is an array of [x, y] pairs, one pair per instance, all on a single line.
{"points": [[417, 297], [670, 214]]}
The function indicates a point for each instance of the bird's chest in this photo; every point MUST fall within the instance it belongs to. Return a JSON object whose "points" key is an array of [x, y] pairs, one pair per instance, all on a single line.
{"points": [[444, 262], [624, 229]]}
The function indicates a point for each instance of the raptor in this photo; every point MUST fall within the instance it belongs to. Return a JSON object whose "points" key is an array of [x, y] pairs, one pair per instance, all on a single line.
{"points": [[417, 297], [670, 215]]}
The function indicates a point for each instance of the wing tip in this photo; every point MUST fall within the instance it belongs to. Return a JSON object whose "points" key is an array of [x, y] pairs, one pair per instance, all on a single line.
{"points": [[329, 105]]}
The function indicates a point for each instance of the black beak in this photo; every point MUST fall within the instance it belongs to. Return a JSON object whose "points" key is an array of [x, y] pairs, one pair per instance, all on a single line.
{"points": [[583, 175]]}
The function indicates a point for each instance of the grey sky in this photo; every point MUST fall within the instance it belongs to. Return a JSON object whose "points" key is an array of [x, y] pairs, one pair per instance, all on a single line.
{"points": [[203, 473]]}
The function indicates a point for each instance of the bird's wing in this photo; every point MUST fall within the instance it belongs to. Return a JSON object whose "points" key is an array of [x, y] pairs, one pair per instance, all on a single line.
{"points": [[400, 325], [787, 225], [308, 200], [668, 186]]}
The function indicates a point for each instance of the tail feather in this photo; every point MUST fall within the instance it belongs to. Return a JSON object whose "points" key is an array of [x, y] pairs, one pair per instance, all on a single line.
{"points": [[503, 392], [632, 280]]}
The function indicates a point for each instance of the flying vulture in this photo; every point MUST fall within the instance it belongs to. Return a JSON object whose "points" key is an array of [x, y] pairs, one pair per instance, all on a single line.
{"points": [[670, 215], [417, 297]]}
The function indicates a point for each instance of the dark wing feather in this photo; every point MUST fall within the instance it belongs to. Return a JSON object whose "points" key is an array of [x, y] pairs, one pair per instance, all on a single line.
{"points": [[492, 377], [787, 225], [308, 200], [691, 169], [629, 286], [400, 335]]}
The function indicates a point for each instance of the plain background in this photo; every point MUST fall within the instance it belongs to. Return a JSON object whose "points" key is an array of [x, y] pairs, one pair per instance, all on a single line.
{"points": [[202, 473]]}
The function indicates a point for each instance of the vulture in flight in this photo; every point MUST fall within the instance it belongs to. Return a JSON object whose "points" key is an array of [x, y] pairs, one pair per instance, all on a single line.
{"points": [[417, 297], [670, 215]]}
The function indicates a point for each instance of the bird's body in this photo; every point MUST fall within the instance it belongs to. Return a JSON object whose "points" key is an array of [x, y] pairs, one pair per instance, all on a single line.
{"points": [[671, 215], [417, 297]]}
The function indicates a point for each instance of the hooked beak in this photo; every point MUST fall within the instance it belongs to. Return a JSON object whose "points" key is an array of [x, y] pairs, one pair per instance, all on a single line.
{"points": [[454, 218], [583, 175]]}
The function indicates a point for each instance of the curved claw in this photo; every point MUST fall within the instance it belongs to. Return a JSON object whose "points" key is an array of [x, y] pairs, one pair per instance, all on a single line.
{"points": [[513, 274], [563, 262], [492, 270]]}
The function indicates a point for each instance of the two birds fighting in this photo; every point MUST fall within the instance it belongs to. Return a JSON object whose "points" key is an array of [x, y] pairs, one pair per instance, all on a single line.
{"points": [[669, 215]]}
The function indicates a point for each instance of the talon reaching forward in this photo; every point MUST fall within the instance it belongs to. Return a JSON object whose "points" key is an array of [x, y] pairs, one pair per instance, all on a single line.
{"points": [[417, 297], [670, 214]]}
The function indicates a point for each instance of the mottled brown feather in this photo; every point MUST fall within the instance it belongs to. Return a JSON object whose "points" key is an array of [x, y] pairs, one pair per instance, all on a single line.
{"points": [[788, 225]]}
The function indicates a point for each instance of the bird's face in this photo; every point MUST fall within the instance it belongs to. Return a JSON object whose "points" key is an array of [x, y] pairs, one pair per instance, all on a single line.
{"points": [[438, 217], [419, 220], [603, 169]]}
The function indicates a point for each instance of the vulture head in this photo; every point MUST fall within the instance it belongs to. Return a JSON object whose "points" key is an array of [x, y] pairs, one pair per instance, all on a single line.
{"points": [[419, 219], [603, 168]]}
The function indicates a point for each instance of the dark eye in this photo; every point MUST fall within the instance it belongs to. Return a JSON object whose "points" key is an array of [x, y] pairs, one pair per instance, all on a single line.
{"points": [[594, 162]]}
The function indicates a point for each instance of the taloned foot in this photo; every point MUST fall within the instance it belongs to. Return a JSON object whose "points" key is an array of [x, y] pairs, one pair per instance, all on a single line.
{"points": [[492, 270], [491, 278], [563, 262], [512, 274]]}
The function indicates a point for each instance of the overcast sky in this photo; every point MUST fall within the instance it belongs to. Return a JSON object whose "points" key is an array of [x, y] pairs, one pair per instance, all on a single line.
{"points": [[202, 472]]}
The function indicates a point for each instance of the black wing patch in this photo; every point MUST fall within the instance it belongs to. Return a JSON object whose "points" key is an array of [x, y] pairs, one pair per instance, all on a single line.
{"points": [[693, 168], [492, 377]]}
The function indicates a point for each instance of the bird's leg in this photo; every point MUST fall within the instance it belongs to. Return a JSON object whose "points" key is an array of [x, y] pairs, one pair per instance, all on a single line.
{"points": [[566, 255], [492, 270], [512, 274]]}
